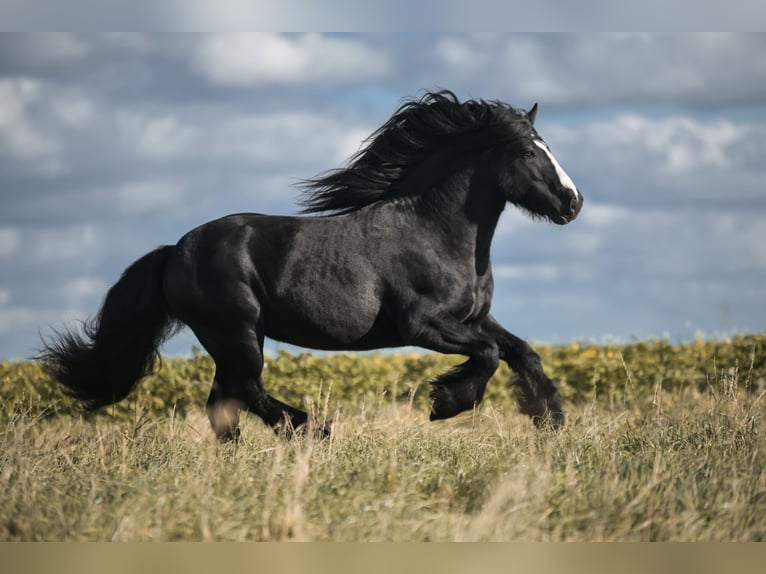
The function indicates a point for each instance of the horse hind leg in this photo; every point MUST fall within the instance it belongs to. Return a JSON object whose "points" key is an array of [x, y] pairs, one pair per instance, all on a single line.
{"points": [[285, 420], [288, 421], [223, 408], [238, 386]]}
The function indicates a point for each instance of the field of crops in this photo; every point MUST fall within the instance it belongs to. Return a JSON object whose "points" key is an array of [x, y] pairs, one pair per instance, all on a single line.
{"points": [[663, 442]]}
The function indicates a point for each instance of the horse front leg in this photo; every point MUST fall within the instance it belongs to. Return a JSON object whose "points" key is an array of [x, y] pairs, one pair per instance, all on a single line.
{"points": [[539, 398], [462, 387]]}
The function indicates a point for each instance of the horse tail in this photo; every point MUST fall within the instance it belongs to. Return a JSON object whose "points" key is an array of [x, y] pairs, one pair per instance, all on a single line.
{"points": [[120, 345]]}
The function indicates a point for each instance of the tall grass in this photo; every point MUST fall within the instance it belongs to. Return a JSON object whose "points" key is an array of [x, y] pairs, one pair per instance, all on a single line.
{"points": [[686, 464]]}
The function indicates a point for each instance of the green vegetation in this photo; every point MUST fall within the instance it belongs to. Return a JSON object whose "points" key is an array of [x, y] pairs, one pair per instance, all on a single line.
{"points": [[663, 442]]}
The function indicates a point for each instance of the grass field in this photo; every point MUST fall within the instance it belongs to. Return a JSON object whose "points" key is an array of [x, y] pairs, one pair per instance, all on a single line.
{"points": [[641, 458]]}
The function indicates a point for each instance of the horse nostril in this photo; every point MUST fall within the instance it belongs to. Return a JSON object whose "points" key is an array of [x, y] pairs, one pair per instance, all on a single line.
{"points": [[575, 203]]}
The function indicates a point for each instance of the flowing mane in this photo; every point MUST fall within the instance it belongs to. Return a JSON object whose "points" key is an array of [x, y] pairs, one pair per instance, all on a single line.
{"points": [[416, 130]]}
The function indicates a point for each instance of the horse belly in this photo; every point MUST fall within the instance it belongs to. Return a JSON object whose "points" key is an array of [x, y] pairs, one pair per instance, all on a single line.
{"points": [[330, 318]]}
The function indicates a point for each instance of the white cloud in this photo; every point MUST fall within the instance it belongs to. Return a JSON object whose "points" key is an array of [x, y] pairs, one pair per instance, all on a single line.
{"points": [[23, 324], [74, 242], [82, 289], [273, 59], [294, 137], [146, 197], [633, 158], [15, 318], [9, 240], [680, 144], [291, 136], [601, 214], [159, 138], [20, 138], [461, 54], [73, 110], [350, 142], [287, 137], [525, 62], [5, 296]]}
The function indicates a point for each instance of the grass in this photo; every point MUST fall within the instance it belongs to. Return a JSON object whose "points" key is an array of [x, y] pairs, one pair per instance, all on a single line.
{"points": [[686, 465]]}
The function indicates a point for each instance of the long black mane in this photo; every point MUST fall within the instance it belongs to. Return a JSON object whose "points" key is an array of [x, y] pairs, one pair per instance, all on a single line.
{"points": [[416, 130]]}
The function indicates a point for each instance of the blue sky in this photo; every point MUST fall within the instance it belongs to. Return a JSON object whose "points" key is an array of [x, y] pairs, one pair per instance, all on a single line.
{"points": [[112, 144]]}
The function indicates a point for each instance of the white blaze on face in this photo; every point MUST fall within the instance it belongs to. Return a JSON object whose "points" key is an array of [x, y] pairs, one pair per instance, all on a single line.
{"points": [[565, 180]]}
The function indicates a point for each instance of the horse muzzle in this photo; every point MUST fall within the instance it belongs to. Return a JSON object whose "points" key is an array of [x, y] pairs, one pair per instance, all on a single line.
{"points": [[573, 209]]}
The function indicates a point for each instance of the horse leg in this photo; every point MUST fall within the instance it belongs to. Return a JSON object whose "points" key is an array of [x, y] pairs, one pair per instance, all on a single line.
{"points": [[238, 386], [233, 388], [223, 407], [461, 388], [539, 397], [286, 420]]}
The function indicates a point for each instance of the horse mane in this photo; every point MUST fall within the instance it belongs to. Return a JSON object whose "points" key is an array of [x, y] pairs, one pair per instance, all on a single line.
{"points": [[416, 130]]}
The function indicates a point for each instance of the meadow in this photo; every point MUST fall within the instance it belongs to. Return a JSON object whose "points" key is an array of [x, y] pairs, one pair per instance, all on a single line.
{"points": [[663, 442]]}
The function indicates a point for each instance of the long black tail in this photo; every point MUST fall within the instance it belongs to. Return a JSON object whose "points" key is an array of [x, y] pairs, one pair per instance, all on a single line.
{"points": [[121, 344]]}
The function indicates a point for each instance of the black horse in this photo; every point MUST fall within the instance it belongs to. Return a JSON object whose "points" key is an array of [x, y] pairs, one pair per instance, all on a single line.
{"points": [[400, 257]]}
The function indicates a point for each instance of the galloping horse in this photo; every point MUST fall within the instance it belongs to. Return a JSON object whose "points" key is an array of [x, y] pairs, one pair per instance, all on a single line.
{"points": [[399, 256]]}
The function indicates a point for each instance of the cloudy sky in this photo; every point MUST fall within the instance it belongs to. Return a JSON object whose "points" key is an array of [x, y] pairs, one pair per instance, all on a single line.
{"points": [[112, 144]]}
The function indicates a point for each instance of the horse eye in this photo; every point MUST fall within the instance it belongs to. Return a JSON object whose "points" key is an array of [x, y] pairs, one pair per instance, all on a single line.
{"points": [[529, 153]]}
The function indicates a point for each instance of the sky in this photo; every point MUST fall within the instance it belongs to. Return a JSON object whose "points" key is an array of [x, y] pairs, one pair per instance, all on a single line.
{"points": [[112, 144]]}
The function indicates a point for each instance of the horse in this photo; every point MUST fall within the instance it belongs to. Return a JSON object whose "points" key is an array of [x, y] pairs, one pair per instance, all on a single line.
{"points": [[392, 250]]}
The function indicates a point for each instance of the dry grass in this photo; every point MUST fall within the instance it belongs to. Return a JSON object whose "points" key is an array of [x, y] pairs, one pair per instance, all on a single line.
{"points": [[685, 466]]}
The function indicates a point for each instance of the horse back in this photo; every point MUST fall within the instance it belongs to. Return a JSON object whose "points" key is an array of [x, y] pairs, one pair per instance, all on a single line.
{"points": [[310, 281]]}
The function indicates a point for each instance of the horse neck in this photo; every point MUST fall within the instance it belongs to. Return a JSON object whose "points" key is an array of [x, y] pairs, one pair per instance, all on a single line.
{"points": [[465, 209], [482, 208]]}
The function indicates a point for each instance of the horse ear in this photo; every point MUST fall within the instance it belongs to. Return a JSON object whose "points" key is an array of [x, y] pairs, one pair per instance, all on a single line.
{"points": [[532, 114]]}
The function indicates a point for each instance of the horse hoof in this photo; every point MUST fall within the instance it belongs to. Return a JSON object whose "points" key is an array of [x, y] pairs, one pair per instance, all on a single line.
{"points": [[228, 435], [313, 429], [543, 414], [554, 420], [322, 431]]}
